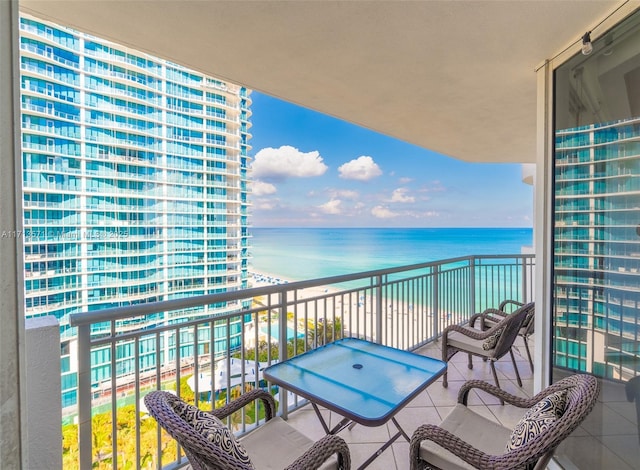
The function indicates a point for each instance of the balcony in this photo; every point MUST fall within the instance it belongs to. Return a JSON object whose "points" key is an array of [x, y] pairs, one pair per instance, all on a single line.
{"points": [[405, 307], [120, 359]]}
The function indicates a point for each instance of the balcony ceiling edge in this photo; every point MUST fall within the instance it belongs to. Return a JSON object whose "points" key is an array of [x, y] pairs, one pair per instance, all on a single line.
{"points": [[454, 77]]}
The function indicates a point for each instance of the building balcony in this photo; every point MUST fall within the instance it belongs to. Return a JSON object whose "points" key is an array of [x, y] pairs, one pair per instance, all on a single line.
{"points": [[123, 353], [404, 307]]}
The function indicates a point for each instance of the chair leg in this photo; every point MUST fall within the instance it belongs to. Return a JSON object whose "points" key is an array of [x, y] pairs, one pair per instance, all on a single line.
{"points": [[445, 358], [526, 346], [515, 367], [495, 377], [470, 364]]}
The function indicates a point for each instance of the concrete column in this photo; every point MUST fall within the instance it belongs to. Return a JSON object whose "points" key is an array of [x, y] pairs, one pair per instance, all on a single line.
{"points": [[11, 265], [43, 410], [544, 227]]}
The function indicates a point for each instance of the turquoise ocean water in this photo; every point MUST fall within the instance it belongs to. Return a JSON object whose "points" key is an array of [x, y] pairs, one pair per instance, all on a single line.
{"points": [[307, 253]]}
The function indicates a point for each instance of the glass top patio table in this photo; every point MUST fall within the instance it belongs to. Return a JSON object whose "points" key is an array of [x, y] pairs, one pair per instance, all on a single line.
{"points": [[365, 382]]}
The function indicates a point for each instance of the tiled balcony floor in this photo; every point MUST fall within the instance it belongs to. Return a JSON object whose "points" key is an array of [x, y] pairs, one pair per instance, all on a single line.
{"points": [[429, 407], [608, 439]]}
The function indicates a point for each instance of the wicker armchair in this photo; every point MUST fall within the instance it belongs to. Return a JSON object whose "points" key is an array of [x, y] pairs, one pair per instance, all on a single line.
{"points": [[456, 338], [467, 440], [274, 445], [491, 317]]}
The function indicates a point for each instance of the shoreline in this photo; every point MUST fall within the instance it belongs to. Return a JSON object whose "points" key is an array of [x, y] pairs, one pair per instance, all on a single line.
{"points": [[314, 304], [262, 279]]}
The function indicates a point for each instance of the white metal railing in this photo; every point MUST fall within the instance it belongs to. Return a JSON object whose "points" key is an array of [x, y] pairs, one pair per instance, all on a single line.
{"points": [[188, 338]]}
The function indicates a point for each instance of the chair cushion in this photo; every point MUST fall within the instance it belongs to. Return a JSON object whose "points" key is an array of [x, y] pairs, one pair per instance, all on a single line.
{"points": [[491, 341], [473, 428], [276, 444], [537, 419], [212, 429], [464, 342], [490, 321]]}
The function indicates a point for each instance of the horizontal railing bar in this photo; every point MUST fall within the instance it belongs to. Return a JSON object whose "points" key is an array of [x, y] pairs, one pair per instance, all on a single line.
{"points": [[116, 313], [404, 307]]}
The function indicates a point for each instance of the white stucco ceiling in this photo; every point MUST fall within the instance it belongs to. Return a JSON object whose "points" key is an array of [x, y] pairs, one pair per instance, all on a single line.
{"points": [[456, 77]]}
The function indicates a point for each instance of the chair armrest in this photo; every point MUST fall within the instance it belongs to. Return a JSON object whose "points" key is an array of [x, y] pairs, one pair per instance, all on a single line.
{"points": [[244, 400], [463, 394], [504, 303], [448, 441], [470, 332], [322, 450], [490, 313], [474, 318]]}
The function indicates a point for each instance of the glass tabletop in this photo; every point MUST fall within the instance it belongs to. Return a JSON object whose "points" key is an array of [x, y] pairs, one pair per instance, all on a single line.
{"points": [[361, 380]]}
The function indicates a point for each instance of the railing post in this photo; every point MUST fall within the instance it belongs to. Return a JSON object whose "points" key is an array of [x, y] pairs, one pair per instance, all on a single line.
{"points": [[525, 290], [85, 434], [472, 285], [436, 310], [378, 284], [283, 353]]}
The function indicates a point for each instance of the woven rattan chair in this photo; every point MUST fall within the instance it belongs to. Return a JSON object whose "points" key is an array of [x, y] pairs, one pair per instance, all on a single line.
{"points": [[457, 338], [274, 445], [467, 440], [491, 317]]}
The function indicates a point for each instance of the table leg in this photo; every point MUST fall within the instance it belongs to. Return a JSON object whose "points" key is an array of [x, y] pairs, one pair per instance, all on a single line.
{"points": [[406, 436], [400, 432], [337, 428], [346, 422]]}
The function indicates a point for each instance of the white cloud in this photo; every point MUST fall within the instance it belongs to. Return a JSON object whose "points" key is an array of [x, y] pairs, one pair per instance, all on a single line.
{"points": [[429, 214], [262, 189], [433, 187], [331, 207], [382, 212], [344, 193], [287, 162], [362, 168], [265, 205], [400, 195], [405, 180]]}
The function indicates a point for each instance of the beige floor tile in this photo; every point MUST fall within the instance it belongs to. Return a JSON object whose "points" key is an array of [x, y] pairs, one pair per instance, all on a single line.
{"points": [[364, 434], [401, 454], [361, 452], [627, 447], [603, 421], [411, 418], [306, 421], [587, 453]]}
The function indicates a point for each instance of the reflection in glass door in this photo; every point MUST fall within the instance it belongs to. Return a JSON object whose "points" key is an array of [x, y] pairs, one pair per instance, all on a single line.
{"points": [[596, 279]]}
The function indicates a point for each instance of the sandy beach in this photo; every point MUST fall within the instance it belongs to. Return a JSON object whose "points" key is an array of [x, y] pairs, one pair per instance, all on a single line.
{"points": [[353, 309]]}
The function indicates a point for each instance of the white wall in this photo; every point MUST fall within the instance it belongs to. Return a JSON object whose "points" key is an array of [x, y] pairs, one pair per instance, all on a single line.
{"points": [[43, 410], [11, 270]]}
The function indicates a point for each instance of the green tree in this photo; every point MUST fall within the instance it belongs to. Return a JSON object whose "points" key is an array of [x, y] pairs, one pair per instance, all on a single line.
{"points": [[186, 394], [101, 440], [324, 331], [70, 450]]}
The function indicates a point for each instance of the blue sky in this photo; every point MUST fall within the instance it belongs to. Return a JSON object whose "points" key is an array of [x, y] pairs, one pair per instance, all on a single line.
{"points": [[312, 170]]}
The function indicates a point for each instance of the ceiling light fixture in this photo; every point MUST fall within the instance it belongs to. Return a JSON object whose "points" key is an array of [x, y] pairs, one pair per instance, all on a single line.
{"points": [[587, 47]]}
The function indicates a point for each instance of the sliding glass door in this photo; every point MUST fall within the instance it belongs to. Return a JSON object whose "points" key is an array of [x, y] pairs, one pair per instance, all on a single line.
{"points": [[596, 279]]}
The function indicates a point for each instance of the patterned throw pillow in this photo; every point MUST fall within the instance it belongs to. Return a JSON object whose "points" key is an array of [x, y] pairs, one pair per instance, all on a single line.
{"points": [[491, 341], [537, 419], [212, 429]]}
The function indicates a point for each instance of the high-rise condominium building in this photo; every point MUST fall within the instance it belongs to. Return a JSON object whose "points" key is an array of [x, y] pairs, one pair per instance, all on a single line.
{"points": [[597, 248], [135, 184]]}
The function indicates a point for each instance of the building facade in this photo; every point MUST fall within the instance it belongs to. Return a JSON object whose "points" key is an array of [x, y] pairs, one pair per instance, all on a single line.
{"points": [[135, 186], [597, 249]]}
